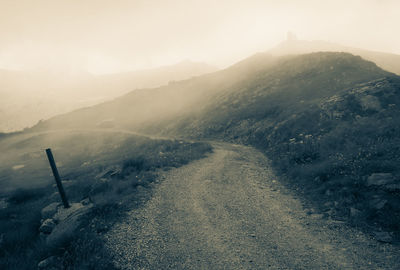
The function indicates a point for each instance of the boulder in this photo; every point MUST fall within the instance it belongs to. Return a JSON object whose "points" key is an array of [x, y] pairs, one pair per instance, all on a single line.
{"points": [[47, 226], [380, 179], [49, 210], [68, 221]]}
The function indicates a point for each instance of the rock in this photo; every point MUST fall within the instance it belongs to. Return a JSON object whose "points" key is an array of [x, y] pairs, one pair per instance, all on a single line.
{"points": [[369, 102], [383, 237], [64, 213], [68, 221], [47, 226], [110, 172], [49, 210], [380, 179], [378, 204], [50, 262], [85, 201]]}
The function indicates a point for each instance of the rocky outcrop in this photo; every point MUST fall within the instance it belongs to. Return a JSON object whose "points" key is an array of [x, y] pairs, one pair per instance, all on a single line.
{"points": [[49, 210], [59, 223], [68, 220]]}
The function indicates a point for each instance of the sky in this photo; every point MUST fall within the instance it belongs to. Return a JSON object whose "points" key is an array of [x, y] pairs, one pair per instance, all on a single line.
{"points": [[106, 36]]}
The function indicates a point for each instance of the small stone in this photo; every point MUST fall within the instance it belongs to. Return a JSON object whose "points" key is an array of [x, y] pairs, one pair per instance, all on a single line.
{"points": [[85, 201], [49, 210], [47, 226]]}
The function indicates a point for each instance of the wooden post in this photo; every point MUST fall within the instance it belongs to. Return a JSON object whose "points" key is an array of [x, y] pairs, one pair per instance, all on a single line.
{"points": [[57, 178]]}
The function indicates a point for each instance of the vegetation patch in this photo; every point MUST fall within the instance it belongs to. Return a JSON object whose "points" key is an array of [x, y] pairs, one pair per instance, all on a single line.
{"points": [[114, 172], [330, 124]]}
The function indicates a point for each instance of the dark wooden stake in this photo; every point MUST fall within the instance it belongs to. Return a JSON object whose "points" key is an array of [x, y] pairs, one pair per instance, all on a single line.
{"points": [[57, 178]]}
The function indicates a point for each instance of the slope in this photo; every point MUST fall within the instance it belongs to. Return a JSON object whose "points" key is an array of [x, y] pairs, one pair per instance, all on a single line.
{"points": [[328, 121], [26, 96]]}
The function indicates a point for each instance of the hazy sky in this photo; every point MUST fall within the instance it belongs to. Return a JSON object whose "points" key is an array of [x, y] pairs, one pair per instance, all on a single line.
{"points": [[114, 35]]}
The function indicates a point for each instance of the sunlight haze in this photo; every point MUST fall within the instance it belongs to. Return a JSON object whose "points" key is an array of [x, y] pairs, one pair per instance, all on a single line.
{"points": [[112, 36]]}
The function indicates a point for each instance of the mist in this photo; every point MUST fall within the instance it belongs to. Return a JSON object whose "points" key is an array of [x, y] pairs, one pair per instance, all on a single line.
{"points": [[231, 134], [56, 57], [104, 37]]}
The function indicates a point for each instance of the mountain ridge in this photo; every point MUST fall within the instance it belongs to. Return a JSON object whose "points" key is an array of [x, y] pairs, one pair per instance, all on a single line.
{"points": [[387, 61], [28, 96]]}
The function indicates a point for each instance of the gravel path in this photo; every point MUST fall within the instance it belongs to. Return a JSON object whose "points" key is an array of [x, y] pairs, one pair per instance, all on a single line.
{"points": [[227, 211]]}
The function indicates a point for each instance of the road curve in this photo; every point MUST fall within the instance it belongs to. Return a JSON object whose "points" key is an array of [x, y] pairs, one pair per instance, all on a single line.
{"points": [[228, 211]]}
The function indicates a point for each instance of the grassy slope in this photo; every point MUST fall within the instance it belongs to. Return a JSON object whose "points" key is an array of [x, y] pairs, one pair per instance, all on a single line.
{"points": [[308, 113], [114, 170], [327, 120]]}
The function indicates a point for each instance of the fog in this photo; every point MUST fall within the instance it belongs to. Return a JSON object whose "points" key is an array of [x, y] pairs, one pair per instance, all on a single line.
{"points": [[112, 36]]}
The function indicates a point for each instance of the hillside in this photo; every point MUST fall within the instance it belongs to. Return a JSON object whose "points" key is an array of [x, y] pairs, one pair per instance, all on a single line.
{"points": [[328, 121], [387, 61], [29, 96]]}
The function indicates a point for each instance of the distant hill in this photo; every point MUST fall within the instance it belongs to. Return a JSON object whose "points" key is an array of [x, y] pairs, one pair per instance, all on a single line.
{"points": [[28, 96], [327, 72], [387, 61]]}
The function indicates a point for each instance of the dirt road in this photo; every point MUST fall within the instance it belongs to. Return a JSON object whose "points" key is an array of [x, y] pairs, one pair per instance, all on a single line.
{"points": [[228, 211]]}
